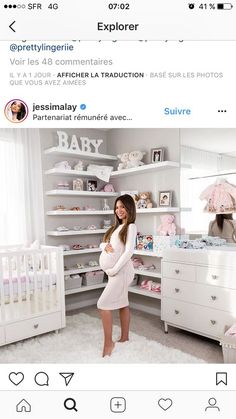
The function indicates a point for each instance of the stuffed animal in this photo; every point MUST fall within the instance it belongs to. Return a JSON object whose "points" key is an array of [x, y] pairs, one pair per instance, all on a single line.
{"points": [[143, 200], [79, 165], [62, 165], [167, 227], [124, 158], [108, 187], [135, 158]]}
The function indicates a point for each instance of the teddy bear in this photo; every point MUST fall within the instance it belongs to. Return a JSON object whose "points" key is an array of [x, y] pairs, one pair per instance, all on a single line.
{"points": [[167, 227], [143, 200], [124, 161], [135, 158]]}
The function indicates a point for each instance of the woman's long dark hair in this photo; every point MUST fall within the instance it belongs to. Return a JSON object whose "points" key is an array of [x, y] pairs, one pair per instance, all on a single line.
{"points": [[220, 219], [21, 114], [130, 207]]}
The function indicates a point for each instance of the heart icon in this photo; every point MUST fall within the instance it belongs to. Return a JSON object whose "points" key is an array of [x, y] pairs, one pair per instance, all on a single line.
{"points": [[165, 404], [16, 377]]}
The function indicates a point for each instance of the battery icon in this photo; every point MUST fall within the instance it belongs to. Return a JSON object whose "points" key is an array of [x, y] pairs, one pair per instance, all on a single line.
{"points": [[224, 6]]}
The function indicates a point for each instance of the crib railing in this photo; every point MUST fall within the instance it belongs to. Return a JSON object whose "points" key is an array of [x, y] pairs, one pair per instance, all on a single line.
{"points": [[31, 282]]}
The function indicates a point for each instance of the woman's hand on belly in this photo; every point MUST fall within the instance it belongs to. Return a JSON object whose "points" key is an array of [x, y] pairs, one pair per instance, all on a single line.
{"points": [[110, 272], [109, 248]]}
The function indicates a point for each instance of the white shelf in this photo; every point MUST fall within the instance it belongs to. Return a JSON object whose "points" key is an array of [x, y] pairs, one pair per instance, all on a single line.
{"points": [[61, 192], [111, 212], [146, 253], [85, 288], [82, 270], [157, 210], [76, 173], [76, 233], [137, 290], [153, 274], [81, 212], [83, 155], [146, 168], [82, 251]]}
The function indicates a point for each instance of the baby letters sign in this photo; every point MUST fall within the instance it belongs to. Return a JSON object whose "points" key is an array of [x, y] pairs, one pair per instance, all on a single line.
{"points": [[85, 145]]}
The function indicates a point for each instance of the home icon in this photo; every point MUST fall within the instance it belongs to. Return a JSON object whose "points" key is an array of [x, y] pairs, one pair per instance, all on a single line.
{"points": [[23, 406]]}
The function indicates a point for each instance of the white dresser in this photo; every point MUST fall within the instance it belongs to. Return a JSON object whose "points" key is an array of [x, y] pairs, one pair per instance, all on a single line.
{"points": [[199, 290]]}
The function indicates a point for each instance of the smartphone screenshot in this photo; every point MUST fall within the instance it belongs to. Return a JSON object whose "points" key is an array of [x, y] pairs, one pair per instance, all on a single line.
{"points": [[117, 215]]}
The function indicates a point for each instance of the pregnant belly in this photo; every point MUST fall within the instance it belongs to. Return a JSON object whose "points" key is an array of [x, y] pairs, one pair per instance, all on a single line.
{"points": [[108, 260]]}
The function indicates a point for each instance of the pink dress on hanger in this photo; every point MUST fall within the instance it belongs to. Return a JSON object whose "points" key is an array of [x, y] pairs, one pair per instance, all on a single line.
{"points": [[221, 197]]}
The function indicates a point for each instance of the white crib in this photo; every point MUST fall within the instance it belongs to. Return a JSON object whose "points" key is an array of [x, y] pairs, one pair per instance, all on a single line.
{"points": [[32, 298]]}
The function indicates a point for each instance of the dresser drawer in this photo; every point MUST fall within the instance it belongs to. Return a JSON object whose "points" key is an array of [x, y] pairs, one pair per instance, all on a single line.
{"points": [[178, 271], [33, 327], [2, 336], [196, 318], [216, 276], [206, 295]]}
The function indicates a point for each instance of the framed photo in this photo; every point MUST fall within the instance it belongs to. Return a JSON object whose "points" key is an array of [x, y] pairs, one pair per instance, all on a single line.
{"points": [[157, 154], [92, 185], [165, 198], [78, 185]]}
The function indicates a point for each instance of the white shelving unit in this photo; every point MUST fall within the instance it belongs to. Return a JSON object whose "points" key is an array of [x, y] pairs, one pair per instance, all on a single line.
{"points": [[75, 232], [81, 212], [137, 290], [144, 169], [56, 151], [83, 155], [82, 270], [60, 192], [76, 173], [82, 251], [85, 288], [151, 273], [146, 253], [110, 212]]}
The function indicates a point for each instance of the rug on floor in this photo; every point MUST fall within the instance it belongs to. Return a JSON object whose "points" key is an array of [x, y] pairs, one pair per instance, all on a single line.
{"points": [[81, 342]]}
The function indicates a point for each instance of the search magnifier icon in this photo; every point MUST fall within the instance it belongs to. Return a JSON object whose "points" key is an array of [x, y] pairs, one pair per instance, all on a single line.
{"points": [[70, 404]]}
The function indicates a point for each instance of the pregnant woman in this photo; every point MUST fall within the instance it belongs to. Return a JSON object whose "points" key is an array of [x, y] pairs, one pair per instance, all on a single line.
{"points": [[117, 249]]}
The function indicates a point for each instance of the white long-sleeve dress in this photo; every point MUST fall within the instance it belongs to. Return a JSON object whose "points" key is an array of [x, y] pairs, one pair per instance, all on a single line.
{"points": [[119, 268]]}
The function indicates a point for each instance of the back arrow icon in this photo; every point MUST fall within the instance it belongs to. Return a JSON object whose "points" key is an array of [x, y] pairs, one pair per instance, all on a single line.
{"points": [[10, 26]]}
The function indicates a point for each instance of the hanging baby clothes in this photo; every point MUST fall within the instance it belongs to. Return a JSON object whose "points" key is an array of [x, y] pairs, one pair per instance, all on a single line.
{"points": [[221, 197]]}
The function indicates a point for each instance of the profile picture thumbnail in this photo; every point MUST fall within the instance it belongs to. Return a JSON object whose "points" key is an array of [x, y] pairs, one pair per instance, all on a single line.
{"points": [[16, 110]]}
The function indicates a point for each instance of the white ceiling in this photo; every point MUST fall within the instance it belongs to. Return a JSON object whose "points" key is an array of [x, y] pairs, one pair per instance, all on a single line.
{"points": [[218, 140]]}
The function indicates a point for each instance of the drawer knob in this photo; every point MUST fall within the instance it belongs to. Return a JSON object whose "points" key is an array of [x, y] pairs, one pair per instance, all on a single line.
{"points": [[176, 311], [213, 297], [213, 322], [177, 271], [214, 276], [177, 289], [36, 326]]}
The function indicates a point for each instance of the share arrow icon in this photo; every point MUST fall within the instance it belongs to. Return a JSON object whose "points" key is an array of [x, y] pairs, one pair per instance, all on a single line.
{"points": [[67, 376]]}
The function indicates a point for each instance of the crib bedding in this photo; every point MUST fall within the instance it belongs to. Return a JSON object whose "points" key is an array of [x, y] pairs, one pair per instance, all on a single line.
{"points": [[39, 280], [32, 299]]}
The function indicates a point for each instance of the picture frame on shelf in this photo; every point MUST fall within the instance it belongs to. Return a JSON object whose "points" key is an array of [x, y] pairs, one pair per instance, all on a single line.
{"points": [[157, 154], [78, 185], [165, 198], [92, 185]]}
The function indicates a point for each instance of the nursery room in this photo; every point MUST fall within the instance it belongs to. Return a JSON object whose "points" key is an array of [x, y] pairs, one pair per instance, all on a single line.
{"points": [[58, 191]]}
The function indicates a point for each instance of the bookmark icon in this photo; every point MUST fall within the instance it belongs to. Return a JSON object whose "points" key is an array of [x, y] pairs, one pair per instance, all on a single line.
{"points": [[67, 376]]}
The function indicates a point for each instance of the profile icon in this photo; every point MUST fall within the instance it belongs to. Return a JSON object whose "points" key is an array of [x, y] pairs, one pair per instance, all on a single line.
{"points": [[16, 111]]}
